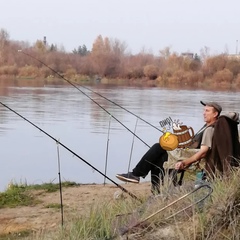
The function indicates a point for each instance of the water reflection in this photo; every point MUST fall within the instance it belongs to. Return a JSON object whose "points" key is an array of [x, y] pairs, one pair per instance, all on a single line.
{"points": [[28, 155]]}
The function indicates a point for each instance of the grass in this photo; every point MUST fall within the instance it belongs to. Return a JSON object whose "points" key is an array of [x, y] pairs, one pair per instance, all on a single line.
{"points": [[16, 196], [14, 236], [50, 187], [219, 219], [20, 194], [53, 205]]}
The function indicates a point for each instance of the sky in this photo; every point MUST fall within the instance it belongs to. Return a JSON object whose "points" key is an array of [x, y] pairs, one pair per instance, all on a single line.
{"points": [[142, 25]]}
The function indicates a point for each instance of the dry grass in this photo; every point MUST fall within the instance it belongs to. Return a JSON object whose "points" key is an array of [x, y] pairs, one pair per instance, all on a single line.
{"points": [[217, 218]]}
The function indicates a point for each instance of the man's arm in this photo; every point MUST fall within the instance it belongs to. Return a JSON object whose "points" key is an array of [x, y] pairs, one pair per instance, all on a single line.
{"points": [[196, 157]]}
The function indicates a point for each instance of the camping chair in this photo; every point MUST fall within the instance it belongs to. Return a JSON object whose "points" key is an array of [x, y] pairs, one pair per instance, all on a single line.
{"points": [[225, 152]]}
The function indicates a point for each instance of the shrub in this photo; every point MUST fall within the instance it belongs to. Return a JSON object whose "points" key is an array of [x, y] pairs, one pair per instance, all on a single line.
{"points": [[9, 70], [196, 77], [44, 72], [214, 64], [16, 196], [150, 71], [135, 73], [28, 71], [237, 81], [234, 66], [70, 73], [223, 76]]}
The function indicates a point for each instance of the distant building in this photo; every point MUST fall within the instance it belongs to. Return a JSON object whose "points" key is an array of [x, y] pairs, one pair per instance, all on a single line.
{"points": [[45, 40], [234, 56], [188, 55]]}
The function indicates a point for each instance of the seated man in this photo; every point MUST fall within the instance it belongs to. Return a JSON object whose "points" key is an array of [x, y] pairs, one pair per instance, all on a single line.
{"points": [[225, 153], [155, 157]]}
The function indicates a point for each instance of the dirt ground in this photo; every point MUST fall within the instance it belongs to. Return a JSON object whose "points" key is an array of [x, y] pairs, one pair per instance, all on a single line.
{"points": [[77, 199]]}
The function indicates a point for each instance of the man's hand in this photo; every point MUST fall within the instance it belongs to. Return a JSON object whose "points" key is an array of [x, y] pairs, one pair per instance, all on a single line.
{"points": [[196, 157], [179, 165]]}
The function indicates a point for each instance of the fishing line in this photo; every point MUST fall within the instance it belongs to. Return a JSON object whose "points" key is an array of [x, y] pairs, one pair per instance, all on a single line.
{"points": [[89, 89], [122, 108], [74, 85], [58, 142]]}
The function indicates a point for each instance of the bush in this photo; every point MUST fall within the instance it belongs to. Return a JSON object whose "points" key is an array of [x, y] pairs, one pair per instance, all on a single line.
{"points": [[16, 196], [214, 64], [9, 70], [44, 72], [233, 65], [223, 76], [70, 73], [150, 71], [236, 82], [28, 71], [135, 73]]}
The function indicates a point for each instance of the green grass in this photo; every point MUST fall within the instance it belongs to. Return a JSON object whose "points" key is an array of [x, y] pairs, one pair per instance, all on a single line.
{"points": [[16, 196], [53, 205], [20, 194], [100, 223], [50, 187]]}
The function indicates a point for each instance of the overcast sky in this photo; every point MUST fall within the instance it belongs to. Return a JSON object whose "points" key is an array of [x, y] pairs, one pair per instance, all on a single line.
{"points": [[183, 25]]}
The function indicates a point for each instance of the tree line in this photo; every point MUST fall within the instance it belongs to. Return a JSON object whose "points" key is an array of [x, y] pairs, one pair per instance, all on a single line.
{"points": [[109, 59]]}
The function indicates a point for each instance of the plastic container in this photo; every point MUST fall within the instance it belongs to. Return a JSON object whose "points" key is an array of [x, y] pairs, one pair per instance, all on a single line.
{"points": [[199, 179]]}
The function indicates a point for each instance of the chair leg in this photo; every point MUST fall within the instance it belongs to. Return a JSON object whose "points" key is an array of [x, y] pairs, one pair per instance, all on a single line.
{"points": [[174, 176]]}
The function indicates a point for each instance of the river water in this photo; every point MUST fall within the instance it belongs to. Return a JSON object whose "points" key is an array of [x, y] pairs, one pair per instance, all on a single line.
{"points": [[90, 126]]}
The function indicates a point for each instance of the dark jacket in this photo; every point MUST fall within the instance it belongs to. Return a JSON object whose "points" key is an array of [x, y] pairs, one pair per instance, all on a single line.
{"points": [[225, 151]]}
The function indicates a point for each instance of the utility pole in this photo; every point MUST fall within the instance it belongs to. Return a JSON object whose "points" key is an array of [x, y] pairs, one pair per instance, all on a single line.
{"points": [[236, 47], [45, 40]]}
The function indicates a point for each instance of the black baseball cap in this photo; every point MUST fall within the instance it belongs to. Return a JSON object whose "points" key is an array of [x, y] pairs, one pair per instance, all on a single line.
{"points": [[212, 104]]}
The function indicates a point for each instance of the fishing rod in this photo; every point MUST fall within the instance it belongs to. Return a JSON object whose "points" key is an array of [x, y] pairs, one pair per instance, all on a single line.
{"points": [[74, 85], [60, 184], [106, 160], [58, 142], [209, 188]]}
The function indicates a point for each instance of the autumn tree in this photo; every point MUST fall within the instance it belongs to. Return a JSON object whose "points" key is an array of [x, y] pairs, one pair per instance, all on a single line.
{"points": [[233, 64], [4, 42], [40, 46], [106, 56], [214, 64], [165, 53]]}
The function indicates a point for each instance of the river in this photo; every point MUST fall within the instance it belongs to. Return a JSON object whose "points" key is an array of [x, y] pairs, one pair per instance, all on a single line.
{"points": [[90, 126]]}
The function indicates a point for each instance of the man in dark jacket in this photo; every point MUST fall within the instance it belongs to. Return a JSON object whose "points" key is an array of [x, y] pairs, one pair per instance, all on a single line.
{"points": [[225, 152], [155, 157]]}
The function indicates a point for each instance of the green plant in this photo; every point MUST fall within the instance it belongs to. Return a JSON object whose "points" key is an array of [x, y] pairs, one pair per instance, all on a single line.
{"points": [[51, 187], [16, 196], [53, 205], [20, 194]]}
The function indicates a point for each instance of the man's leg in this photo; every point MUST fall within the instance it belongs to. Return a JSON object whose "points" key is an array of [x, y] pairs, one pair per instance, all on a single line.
{"points": [[157, 174], [152, 161]]}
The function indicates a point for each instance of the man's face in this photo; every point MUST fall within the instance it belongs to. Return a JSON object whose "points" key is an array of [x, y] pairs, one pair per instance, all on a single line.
{"points": [[209, 114]]}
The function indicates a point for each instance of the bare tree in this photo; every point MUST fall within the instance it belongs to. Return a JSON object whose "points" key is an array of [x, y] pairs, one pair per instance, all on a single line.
{"points": [[4, 39]]}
